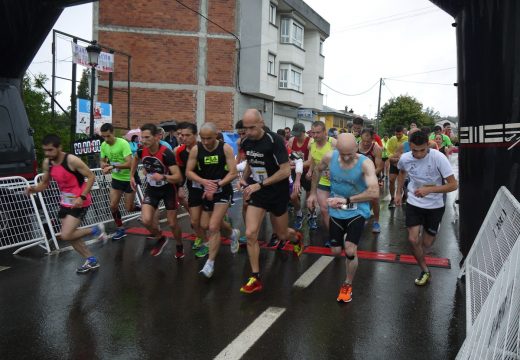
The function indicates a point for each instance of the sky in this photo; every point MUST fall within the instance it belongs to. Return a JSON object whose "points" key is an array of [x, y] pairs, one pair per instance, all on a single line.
{"points": [[409, 43]]}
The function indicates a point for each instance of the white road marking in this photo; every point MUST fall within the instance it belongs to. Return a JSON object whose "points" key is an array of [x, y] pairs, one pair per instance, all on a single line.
{"points": [[247, 338], [2, 268], [312, 273]]}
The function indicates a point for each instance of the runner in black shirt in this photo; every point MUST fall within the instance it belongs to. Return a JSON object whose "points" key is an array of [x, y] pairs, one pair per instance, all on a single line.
{"points": [[212, 165], [267, 189], [161, 175]]}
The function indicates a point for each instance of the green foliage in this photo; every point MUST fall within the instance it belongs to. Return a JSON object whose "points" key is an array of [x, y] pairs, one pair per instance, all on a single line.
{"points": [[404, 110], [40, 116], [83, 90]]}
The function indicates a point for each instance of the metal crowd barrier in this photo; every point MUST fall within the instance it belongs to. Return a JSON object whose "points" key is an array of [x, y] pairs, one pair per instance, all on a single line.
{"points": [[20, 222], [98, 212]]}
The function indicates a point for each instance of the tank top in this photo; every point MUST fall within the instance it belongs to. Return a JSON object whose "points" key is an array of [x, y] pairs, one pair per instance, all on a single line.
{"points": [[346, 183], [70, 183], [384, 152], [406, 147], [317, 154], [369, 154], [303, 150], [212, 165]]}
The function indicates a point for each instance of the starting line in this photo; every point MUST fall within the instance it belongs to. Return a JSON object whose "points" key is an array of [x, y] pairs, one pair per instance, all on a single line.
{"points": [[321, 250]]}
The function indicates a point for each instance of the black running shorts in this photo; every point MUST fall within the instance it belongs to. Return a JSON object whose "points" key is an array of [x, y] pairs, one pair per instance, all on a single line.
{"points": [[428, 218], [342, 230], [122, 186], [78, 213], [167, 193]]}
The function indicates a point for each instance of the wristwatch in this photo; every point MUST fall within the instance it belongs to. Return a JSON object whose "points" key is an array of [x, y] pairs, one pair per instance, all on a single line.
{"points": [[261, 185], [348, 201], [83, 197]]}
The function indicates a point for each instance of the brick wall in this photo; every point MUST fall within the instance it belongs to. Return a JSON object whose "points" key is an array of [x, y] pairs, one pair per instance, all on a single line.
{"points": [[219, 109]]}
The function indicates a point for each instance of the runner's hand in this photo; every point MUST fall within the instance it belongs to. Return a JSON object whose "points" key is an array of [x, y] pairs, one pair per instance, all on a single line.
{"points": [[29, 190], [311, 202], [398, 200], [157, 177], [77, 203], [107, 169], [308, 175], [210, 185], [208, 195], [422, 192], [250, 189], [132, 183], [296, 188]]}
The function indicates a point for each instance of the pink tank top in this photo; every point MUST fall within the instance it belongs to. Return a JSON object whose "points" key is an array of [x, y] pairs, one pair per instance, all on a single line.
{"points": [[70, 183]]}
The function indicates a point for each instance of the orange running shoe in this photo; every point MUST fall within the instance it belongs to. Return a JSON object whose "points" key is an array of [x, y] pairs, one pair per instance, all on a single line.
{"points": [[298, 247], [253, 285], [345, 293]]}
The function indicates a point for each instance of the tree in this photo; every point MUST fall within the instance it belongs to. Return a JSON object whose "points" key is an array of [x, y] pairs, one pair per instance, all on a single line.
{"points": [[83, 90], [40, 115], [404, 110]]}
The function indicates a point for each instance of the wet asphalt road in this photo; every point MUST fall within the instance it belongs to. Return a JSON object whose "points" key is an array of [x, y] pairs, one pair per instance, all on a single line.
{"points": [[140, 307]]}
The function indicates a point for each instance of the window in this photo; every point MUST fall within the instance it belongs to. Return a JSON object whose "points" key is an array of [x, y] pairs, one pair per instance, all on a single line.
{"points": [[321, 46], [272, 13], [270, 64], [283, 78], [290, 77], [7, 133], [291, 32]]}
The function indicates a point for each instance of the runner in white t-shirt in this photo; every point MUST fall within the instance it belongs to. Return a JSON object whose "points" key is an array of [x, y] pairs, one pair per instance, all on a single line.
{"points": [[431, 176]]}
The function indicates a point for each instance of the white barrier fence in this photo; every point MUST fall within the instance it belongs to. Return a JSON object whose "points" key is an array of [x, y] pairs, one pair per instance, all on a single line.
{"points": [[497, 236], [20, 223], [495, 332], [98, 212]]}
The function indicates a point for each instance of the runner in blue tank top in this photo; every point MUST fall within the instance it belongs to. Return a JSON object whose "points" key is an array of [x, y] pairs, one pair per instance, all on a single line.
{"points": [[353, 184]]}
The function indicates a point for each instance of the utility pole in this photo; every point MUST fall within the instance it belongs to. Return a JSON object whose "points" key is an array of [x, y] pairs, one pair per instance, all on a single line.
{"points": [[379, 104]]}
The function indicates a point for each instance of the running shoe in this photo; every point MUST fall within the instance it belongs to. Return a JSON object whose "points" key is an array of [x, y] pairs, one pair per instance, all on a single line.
{"points": [[243, 239], [298, 222], [327, 244], [273, 243], [90, 264], [235, 235], [313, 223], [298, 246], [179, 253], [203, 251], [391, 205], [423, 278], [99, 231], [345, 293], [207, 270], [252, 285], [119, 234], [159, 246], [197, 243], [376, 228]]}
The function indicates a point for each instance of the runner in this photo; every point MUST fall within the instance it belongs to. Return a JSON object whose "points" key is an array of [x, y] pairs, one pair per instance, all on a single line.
{"points": [[212, 166], [116, 159], [161, 175], [299, 144], [353, 186], [427, 170], [384, 156], [392, 147], [321, 145], [70, 172], [368, 147], [266, 190]]}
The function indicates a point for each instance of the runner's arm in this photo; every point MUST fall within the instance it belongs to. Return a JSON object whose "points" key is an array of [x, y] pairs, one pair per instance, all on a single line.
{"points": [[77, 164], [379, 160], [324, 164], [232, 166], [372, 191], [44, 183], [175, 176]]}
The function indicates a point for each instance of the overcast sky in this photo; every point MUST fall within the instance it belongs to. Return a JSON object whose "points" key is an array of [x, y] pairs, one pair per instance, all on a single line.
{"points": [[368, 40]]}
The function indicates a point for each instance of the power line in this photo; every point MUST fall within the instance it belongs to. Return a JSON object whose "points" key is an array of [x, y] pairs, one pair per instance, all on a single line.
{"points": [[419, 73], [342, 93], [384, 83], [420, 82]]}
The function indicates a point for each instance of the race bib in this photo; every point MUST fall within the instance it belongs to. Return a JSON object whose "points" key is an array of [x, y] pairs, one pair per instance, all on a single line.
{"points": [[153, 182], [114, 165], [196, 185], [67, 198], [349, 207], [259, 174]]}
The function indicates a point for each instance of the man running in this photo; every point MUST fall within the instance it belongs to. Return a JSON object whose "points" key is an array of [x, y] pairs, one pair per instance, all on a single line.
{"points": [[299, 144], [116, 158], [427, 170], [321, 145], [353, 184], [266, 190], [212, 165], [392, 147], [161, 175], [368, 147], [69, 173]]}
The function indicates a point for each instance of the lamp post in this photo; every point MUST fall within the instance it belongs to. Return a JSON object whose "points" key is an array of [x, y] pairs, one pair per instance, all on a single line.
{"points": [[93, 51]]}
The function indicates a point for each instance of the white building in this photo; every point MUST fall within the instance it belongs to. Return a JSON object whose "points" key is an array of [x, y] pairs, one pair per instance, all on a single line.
{"points": [[281, 60]]}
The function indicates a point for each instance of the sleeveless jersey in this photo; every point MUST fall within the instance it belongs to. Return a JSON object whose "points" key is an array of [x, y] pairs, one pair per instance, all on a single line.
{"points": [[369, 154], [303, 151], [71, 183], [317, 155], [158, 162], [346, 183], [212, 165]]}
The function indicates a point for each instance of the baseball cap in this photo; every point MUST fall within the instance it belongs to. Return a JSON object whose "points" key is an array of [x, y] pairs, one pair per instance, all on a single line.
{"points": [[297, 129]]}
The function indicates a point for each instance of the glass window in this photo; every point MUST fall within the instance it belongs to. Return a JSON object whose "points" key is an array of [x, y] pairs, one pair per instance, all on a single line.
{"points": [[283, 78], [270, 64], [296, 79], [297, 34], [291, 32], [285, 30], [7, 133], [272, 13], [321, 46]]}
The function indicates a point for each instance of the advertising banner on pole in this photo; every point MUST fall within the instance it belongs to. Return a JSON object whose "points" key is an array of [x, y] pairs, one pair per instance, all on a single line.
{"points": [[80, 56], [102, 114]]}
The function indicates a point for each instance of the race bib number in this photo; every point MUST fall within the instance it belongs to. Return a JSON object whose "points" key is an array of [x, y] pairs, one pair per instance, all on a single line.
{"points": [[259, 174], [67, 198], [349, 207], [153, 182], [114, 165]]}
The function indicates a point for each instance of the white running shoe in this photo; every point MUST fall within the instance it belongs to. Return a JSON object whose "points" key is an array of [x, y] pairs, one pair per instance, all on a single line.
{"points": [[235, 236], [207, 270]]}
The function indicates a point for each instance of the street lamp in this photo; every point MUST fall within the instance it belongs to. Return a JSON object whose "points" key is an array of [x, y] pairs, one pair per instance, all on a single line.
{"points": [[93, 51]]}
